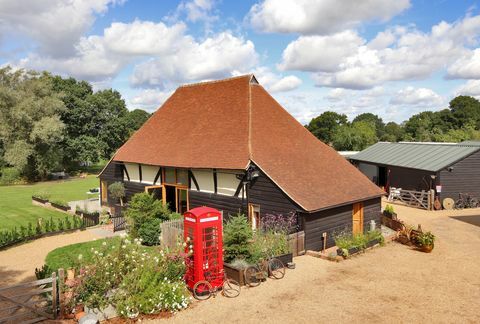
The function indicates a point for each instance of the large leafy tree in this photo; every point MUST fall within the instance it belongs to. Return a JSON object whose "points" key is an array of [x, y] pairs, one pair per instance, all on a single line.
{"points": [[325, 125], [465, 110], [31, 130], [354, 137], [373, 119]]}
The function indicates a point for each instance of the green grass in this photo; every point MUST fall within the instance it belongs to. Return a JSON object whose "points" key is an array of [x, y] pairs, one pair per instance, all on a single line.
{"points": [[16, 207], [67, 256]]}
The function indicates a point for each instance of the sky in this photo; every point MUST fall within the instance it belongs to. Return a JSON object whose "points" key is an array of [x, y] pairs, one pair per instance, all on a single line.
{"points": [[393, 58]]}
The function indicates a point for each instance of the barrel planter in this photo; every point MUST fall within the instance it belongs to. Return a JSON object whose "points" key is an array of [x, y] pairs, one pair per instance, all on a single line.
{"points": [[234, 273]]}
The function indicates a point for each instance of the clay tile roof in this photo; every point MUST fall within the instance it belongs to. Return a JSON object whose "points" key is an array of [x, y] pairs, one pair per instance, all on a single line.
{"points": [[229, 123]]}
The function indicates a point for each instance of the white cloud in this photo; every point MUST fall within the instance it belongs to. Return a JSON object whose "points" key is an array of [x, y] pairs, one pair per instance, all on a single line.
{"points": [[150, 99], [470, 88], [396, 54], [197, 10], [466, 67], [144, 38], [55, 25], [274, 82], [320, 53], [215, 57], [320, 17], [335, 95], [411, 96]]}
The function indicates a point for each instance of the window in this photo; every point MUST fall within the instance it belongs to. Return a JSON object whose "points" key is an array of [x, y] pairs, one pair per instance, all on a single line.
{"points": [[149, 173], [182, 176], [169, 175]]}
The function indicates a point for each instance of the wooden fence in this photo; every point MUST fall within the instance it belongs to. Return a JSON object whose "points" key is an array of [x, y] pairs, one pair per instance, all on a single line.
{"points": [[90, 219], [296, 243], [171, 232], [31, 302], [420, 199]]}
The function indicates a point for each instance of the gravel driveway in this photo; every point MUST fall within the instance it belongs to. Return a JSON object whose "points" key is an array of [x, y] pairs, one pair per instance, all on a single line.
{"points": [[388, 284], [18, 263]]}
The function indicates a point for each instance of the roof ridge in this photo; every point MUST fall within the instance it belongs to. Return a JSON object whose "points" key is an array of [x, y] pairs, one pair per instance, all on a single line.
{"points": [[215, 81]]}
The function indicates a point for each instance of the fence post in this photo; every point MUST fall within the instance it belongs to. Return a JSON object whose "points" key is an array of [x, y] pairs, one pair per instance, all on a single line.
{"points": [[61, 286], [54, 294]]}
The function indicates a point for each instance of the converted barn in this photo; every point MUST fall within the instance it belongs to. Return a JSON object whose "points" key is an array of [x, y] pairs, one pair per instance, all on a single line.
{"points": [[449, 169], [228, 144]]}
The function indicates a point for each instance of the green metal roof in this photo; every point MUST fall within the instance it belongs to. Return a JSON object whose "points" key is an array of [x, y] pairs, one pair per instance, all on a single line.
{"points": [[424, 156], [471, 143]]}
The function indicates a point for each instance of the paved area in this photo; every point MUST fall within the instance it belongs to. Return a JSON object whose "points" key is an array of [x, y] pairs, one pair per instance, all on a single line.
{"points": [[394, 284], [18, 263]]}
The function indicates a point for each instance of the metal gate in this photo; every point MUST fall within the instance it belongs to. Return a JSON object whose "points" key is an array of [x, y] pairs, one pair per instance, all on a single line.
{"points": [[119, 223]]}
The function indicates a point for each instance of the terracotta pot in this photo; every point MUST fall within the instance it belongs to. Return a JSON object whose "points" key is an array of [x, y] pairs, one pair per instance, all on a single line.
{"points": [[426, 248]]}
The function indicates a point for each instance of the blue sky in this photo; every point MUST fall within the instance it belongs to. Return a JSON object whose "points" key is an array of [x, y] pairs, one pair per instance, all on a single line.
{"points": [[390, 57]]}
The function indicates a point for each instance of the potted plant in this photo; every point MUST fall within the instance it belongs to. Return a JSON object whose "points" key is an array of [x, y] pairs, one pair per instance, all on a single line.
{"points": [[404, 234], [425, 242], [390, 212]]}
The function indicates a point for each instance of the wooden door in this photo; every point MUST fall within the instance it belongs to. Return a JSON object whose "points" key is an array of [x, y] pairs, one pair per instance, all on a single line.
{"points": [[357, 218], [254, 216], [104, 190]]}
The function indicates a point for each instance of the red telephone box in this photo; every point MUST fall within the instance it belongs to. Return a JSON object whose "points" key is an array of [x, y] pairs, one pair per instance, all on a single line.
{"points": [[202, 232]]}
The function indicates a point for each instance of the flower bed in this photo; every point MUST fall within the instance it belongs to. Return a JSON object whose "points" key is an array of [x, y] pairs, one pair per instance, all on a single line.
{"points": [[39, 200], [349, 244], [60, 204], [130, 280]]}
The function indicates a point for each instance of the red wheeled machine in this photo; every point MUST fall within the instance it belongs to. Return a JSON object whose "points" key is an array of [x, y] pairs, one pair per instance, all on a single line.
{"points": [[203, 235]]}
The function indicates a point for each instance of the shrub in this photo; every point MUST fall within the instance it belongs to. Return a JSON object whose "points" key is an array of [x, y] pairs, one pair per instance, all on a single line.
{"points": [[389, 210], [44, 272], [10, 176], [133, 281], [149, 231], [236, 236], [117, 190], [266, 245], [142, 208], [280, 223], [425, 239]]}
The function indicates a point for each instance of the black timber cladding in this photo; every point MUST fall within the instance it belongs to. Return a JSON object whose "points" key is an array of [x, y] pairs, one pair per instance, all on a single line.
{"points": [[410, 179], [113, 172], [336, 220], [229, 205], [271, 199], [464, 177]]}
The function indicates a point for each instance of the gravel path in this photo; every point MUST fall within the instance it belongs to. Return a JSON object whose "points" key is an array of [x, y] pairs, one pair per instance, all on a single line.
{"points": [[18, 263], [387, 284]]}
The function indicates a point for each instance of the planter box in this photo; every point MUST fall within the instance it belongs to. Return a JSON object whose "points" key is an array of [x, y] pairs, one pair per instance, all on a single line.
{"points": [[285, 258], [61, 207], [391, 216], [234, 273], [373, 243], [40, 200]]}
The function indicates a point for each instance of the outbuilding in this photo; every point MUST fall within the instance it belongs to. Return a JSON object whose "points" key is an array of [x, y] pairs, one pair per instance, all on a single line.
{"points": [[447, 168], [229, 145]]}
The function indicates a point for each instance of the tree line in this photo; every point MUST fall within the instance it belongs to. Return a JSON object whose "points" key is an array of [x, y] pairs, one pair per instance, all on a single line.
{"points": [[459, 122], [49, 123]]}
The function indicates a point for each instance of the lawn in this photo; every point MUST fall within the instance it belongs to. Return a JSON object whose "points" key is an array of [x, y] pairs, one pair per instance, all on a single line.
{"points": [[67, 256], [16, 207]]}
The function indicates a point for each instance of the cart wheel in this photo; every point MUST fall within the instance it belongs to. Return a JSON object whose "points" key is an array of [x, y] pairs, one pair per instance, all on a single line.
{"points": [[202, 290], [474, 203], [251, 276], [231, 288], [276, 268]]}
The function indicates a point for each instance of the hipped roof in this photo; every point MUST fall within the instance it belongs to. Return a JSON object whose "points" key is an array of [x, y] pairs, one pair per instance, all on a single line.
{"points": [[423, 156], [228, 124]]}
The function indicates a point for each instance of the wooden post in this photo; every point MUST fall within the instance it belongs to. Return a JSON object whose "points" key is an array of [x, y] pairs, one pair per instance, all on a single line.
{"points": [[61, 292], [54, 295], [429, 200]]}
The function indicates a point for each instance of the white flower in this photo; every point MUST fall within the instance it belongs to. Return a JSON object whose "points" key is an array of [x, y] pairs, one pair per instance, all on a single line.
{"points": [[184, 244], [80, 257], [124, 246], [188, 238], [104, 243]]}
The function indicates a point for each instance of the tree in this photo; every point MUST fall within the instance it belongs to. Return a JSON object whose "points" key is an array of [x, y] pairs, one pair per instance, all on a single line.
{"points": [[31, 130], [135, 119], [117, 190], [373, 119], [465, 110], [325, 125], [354, 137], [393, 132]]}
